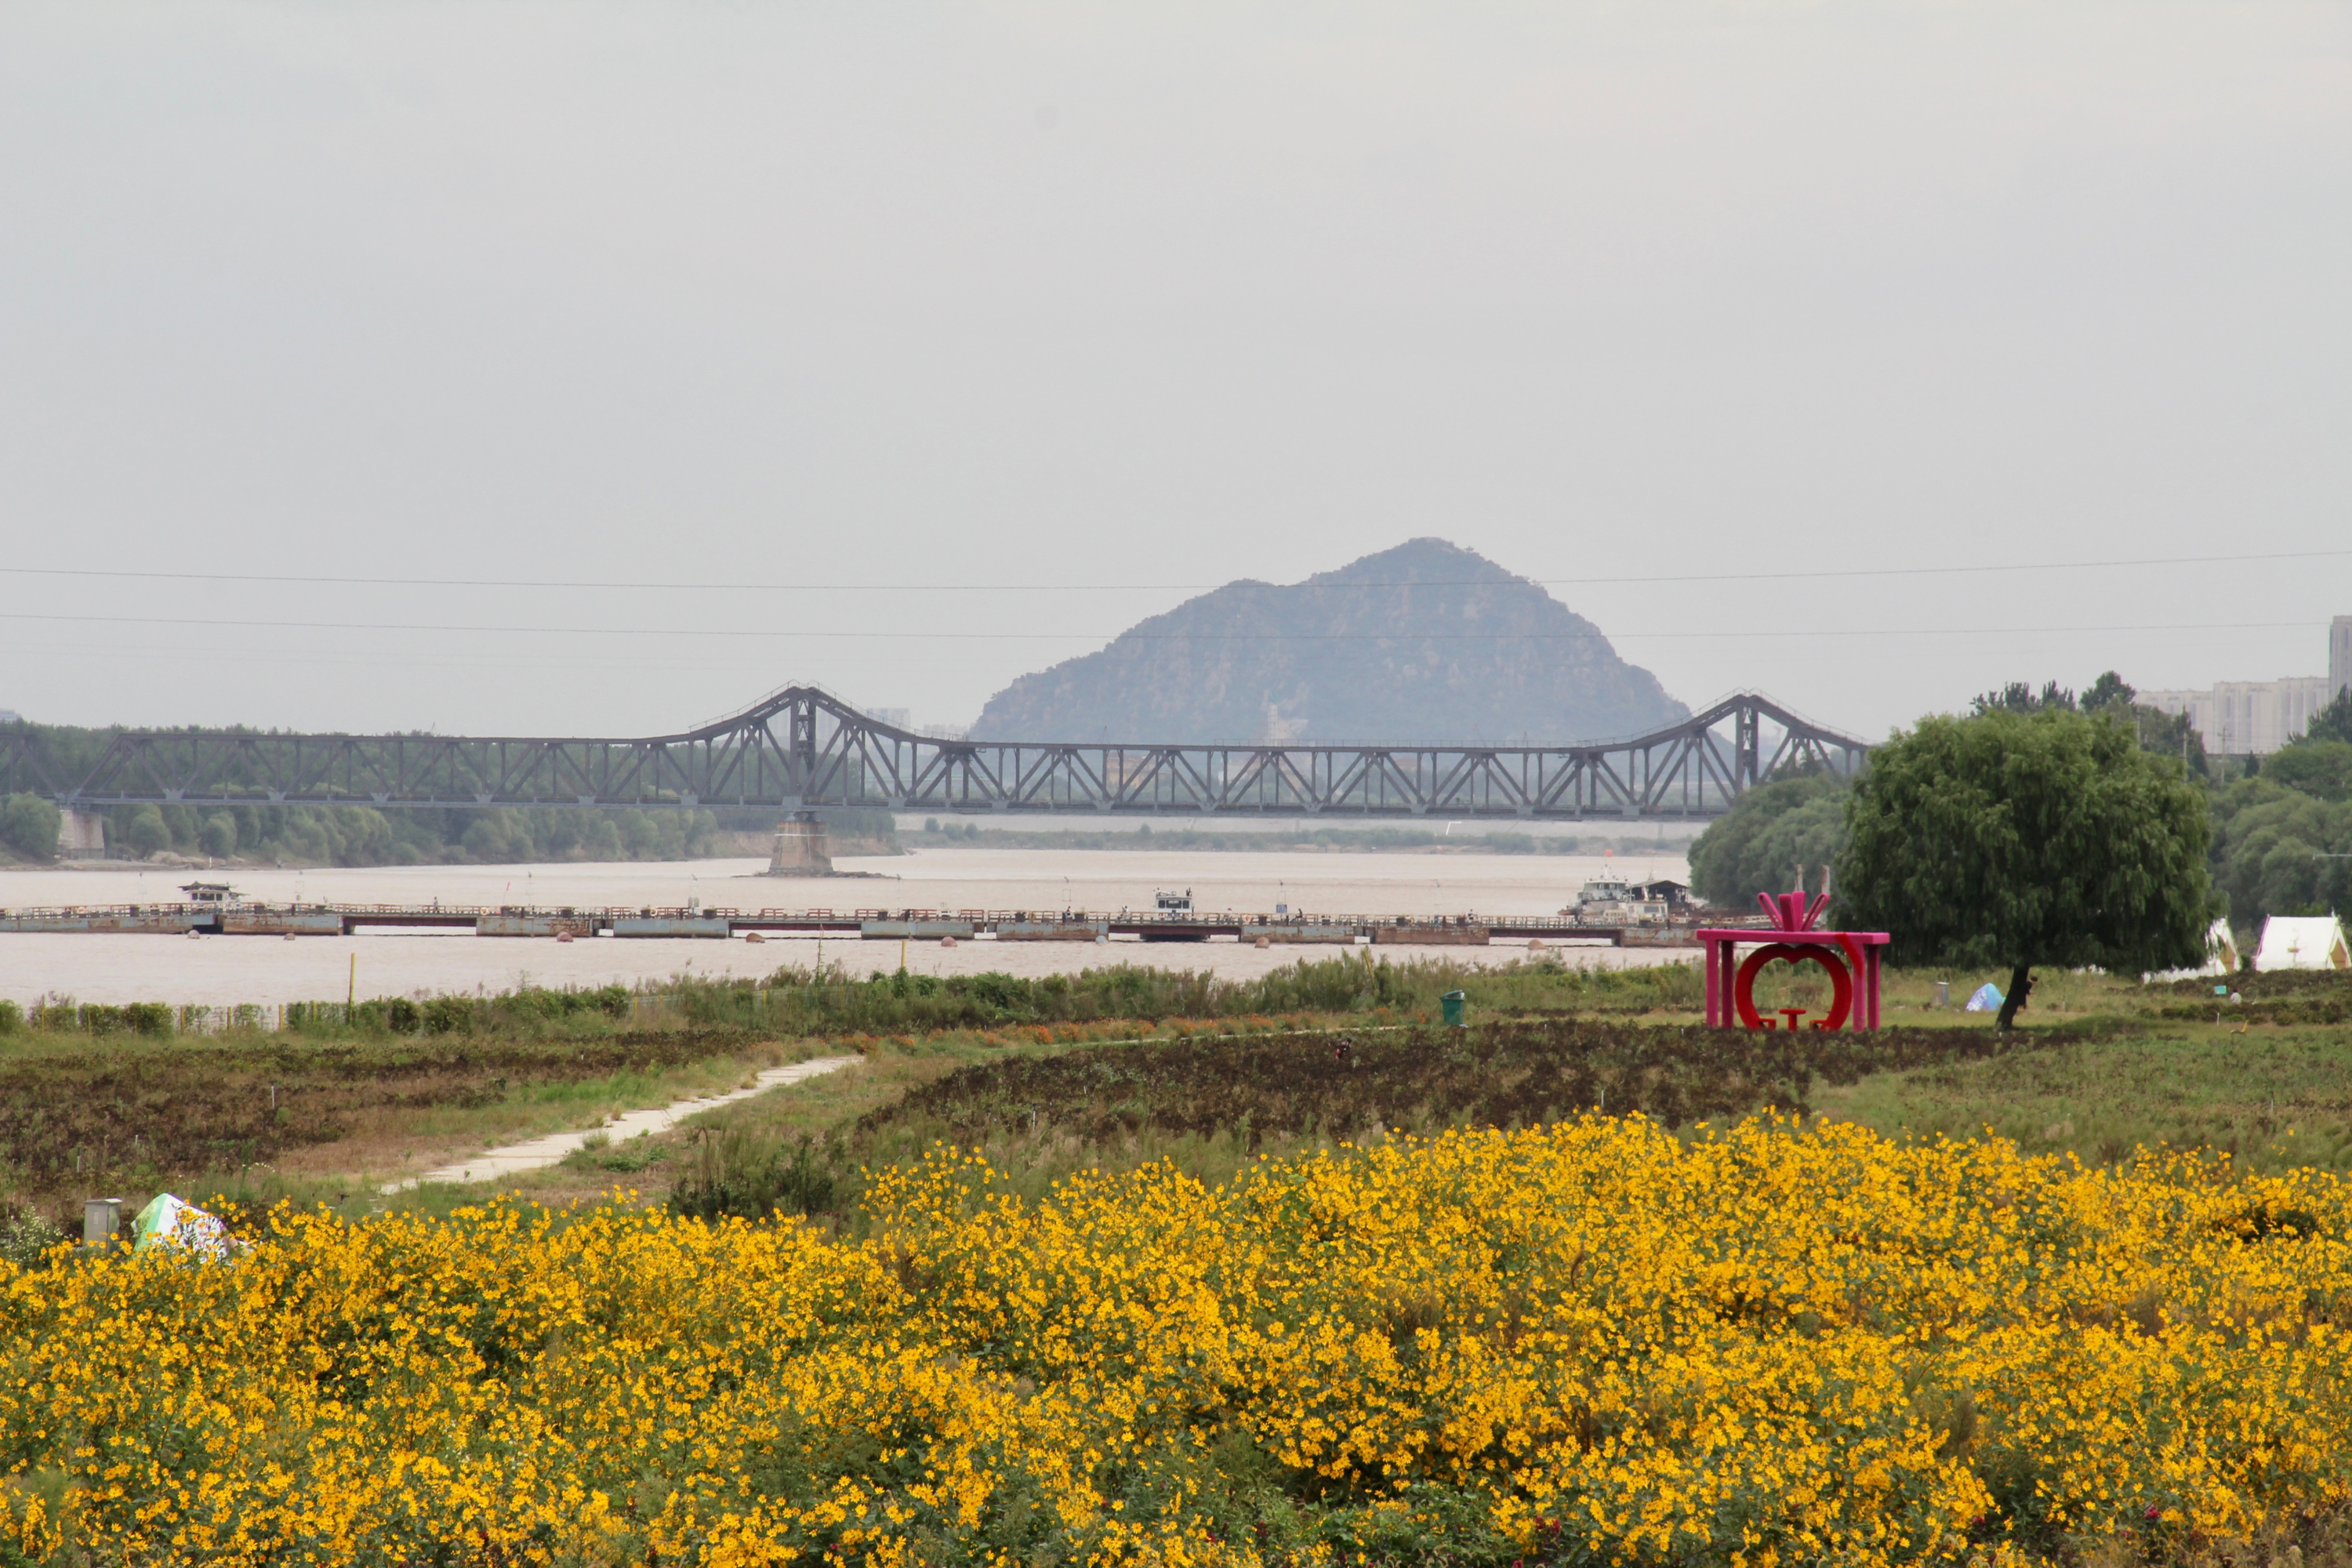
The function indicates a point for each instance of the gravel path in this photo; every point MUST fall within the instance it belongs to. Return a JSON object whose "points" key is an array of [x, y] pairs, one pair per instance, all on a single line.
{"points": [[551, 1149]]}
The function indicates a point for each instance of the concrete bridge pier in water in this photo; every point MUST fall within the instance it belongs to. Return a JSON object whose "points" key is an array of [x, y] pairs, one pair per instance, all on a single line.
{"points": [[800, 848]]}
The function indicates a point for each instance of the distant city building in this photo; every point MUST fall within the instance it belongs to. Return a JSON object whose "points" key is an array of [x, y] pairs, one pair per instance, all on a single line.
{"points": [[2240, 717], [10, 716], [902, 719]]}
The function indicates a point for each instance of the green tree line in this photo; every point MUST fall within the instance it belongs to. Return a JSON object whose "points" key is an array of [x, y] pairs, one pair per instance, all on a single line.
{"points": [[365, 836], [2280, 838]]}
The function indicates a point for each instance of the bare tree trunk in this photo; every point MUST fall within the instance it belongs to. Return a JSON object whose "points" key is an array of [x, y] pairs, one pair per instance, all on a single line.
{"points": [[2020, 985]]}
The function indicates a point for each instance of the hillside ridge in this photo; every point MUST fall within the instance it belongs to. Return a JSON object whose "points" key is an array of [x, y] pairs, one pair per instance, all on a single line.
{"points": [[1426, 642]]}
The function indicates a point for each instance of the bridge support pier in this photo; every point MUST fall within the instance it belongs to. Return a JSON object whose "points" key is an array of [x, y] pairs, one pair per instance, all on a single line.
{"points": [[800, 848]]}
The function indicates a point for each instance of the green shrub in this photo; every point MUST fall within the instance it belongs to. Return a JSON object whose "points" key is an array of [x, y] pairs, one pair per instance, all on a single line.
{"points": [[1549, 987], [147, 833], [1767, 835], [29, 825], [741, 1174], [537, 1003], [101, 1017], [1517, 1073], [11, 1017], [27, 1237], [813, 1002], [148, 1017], [449, 1016], [403, 1016], [217, 838]]}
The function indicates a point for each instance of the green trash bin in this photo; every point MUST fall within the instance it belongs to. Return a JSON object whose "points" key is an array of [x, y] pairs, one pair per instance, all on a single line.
{"points": [[1453, 1001]]}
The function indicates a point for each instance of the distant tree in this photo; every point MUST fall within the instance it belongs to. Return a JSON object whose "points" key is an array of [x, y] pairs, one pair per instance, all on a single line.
{"points": [[2166, 734], [148, 832], [496, 836], [218, 835], [2027, 840], [2321, 768], [602, 842], [2280, 851], [1756, 846], [29, 825], [2019, 698], [2333, 723], [2110, 691], [2112, 695]]}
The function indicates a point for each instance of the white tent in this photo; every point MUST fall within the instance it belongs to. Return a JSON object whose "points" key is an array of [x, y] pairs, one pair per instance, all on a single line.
{"points": [[2221, 956], [2221, 949], [2303, 942]]}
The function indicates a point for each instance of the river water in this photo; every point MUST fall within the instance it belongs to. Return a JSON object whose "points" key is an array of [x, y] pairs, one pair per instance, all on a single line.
{"points": [[226, 971]]}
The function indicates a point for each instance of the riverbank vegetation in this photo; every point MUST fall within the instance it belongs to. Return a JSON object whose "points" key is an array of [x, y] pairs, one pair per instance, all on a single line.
{"points": [[140, 1097], [831, 1000], [265, 835], [94, 1103], [363, 836]]}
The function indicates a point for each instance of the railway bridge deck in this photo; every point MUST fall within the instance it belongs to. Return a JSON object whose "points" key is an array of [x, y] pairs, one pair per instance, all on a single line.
{"points": [[803, 749]]}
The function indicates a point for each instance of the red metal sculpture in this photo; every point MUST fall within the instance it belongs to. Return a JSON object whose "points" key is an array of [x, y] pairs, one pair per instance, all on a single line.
{"points": [[1851, 957]]}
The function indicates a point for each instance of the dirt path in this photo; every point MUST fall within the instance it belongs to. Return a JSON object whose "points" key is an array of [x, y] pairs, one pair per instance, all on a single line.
{"points": [[551, 1149]]}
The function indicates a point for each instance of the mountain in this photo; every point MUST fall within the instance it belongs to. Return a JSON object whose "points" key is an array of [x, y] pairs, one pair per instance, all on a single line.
{"points": [[1426, 642]]}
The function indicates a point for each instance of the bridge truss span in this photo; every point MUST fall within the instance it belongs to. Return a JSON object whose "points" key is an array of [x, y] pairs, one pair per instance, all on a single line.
{"points": [[802, 748]]}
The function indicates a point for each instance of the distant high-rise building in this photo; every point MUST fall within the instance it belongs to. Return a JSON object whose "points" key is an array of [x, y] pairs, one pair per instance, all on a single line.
{"points": [[2238, 717]]}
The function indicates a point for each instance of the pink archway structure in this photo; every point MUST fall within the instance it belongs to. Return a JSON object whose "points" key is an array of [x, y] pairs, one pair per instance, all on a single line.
{"points": [[1851, 958]]}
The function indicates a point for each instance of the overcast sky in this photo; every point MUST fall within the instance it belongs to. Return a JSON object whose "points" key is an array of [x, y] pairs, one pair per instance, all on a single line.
{"points": [[1089, 306]]}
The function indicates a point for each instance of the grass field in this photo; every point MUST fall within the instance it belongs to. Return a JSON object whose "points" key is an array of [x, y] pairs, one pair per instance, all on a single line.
{"points": [[139, 1114], [124, 1101], [2102, 1067], [331, 1109]]}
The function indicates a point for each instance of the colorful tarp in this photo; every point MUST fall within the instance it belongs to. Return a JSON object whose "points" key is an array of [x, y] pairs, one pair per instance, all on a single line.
{"points": [[166, 1219]]}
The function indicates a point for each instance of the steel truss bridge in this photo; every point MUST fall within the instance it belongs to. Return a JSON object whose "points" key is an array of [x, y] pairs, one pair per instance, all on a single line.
{"points": [[802, 748]]}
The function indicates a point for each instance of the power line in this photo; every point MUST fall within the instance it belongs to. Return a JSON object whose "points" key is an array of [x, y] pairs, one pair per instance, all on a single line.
{"points": [[1777, 632], [1151, 587]]}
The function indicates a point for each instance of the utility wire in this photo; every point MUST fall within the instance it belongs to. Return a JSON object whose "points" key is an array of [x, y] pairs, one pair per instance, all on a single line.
{"points": [[1153, 587], [1776, 632]]}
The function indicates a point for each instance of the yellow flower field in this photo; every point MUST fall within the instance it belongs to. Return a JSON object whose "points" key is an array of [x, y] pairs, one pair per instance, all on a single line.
{"points": [[1592, 1342]]}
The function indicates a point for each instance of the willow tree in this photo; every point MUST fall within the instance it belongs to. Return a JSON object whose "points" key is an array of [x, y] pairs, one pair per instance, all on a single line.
{"points": [[2028, 840]]}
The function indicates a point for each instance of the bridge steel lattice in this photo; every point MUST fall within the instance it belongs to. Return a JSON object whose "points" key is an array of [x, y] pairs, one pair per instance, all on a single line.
{"points": [[802, 748]]}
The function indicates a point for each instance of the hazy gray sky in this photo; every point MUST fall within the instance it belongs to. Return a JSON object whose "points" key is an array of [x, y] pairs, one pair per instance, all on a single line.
{"points": [[1127, 299]]}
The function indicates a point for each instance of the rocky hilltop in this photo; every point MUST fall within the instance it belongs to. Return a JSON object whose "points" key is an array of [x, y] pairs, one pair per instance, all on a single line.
{"points": [[1426, 642]]}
